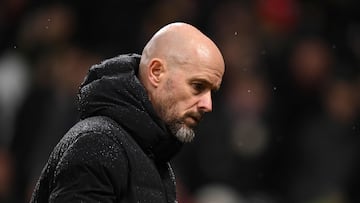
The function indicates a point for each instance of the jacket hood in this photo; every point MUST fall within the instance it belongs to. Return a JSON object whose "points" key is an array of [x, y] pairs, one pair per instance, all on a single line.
{"points": [[112, 89]]}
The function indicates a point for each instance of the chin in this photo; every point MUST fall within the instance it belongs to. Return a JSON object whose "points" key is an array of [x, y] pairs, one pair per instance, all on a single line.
{"points": [[185, 134]]}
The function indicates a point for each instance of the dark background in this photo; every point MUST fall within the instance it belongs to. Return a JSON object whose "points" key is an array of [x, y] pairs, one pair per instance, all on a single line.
{"points": [[285, 126]]}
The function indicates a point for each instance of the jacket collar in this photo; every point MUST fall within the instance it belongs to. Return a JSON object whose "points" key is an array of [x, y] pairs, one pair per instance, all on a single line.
{"points": [[112, 89]]}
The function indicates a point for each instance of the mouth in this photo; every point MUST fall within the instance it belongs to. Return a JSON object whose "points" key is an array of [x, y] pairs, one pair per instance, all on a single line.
{"points": [[196, 118], [193, 120]]}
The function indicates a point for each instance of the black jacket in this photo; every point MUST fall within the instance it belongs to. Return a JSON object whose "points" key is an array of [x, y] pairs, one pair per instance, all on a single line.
{"points": [[119, 151]]}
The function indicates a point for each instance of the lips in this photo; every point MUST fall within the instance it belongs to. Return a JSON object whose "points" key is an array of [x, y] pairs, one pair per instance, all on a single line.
{"points": [[195, 119]]}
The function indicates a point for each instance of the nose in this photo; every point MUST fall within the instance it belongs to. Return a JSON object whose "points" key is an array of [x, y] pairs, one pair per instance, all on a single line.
{"points": [[205, 102]]}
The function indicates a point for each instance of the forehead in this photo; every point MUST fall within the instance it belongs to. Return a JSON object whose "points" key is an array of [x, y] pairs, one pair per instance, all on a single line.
{"points": [[201, 61]]}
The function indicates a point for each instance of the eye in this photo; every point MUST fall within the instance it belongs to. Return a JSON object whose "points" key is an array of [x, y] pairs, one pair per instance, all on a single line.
{"points": [[198, 87]]}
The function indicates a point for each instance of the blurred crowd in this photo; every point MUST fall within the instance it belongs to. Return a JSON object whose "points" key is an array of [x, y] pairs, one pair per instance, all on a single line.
{"points": [[286, 123]]}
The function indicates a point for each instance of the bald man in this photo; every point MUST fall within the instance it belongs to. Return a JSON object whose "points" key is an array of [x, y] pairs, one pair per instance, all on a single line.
{"points": [[136, 112]]}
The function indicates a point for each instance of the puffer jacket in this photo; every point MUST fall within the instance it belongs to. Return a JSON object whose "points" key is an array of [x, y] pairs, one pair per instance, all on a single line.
{"points": [[120, 149]]}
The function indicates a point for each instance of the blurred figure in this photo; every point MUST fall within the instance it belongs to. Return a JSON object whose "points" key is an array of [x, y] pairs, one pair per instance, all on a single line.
{"points": [[310, 64], [327, 148], [49, 108], [14, 82], [47, 113], [13, 86], [297, 98], [14, 73], [46, 28]]}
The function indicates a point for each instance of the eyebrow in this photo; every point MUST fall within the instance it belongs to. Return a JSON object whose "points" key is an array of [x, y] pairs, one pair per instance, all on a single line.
{"points": [[208, 83]]}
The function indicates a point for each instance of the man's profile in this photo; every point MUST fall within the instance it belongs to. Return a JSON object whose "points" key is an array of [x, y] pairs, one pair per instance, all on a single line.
{"points": [[136, 112]]}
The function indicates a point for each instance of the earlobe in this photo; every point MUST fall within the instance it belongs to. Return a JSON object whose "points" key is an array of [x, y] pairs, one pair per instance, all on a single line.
{"points": [[156, 69]]}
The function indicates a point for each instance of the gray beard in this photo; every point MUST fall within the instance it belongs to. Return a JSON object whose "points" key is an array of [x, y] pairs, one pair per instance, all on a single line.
{"points": [[184, 134]]}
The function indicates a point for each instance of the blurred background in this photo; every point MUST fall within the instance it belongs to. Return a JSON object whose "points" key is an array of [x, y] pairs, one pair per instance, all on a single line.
{"points": [[285, 125]]}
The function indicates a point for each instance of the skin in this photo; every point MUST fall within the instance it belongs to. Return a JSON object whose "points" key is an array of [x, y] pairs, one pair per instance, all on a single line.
{"points": [[180, 67]]}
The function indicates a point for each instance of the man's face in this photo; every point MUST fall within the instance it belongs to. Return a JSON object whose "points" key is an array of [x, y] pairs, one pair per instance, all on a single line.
{"points": [[185, 95]]}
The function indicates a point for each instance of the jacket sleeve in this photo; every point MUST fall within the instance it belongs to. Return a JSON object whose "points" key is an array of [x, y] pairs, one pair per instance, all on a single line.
{"points": [[93, 169]]}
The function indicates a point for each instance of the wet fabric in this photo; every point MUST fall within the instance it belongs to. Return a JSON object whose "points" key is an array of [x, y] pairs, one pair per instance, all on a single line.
{"points": [[119, 151]]}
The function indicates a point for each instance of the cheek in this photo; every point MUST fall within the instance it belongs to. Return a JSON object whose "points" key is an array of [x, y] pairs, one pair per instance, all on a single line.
{"points": [[173, 107], [186, 101], [178, 97], [185, 106]]}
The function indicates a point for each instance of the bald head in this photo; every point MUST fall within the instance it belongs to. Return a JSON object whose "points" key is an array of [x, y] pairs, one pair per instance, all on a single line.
{"points": [[179, 69], [180, 43]]}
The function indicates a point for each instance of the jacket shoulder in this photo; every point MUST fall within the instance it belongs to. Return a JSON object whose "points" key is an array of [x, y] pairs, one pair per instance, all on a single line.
{"points": [[94, 140], [101, 124], [93, 160]]}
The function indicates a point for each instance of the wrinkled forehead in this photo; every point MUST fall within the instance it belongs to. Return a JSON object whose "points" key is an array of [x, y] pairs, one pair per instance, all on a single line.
{"points": [[208, 73]]}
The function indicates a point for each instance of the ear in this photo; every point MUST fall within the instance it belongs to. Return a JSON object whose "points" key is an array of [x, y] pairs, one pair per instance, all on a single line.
{"points": [[156, 70]]}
